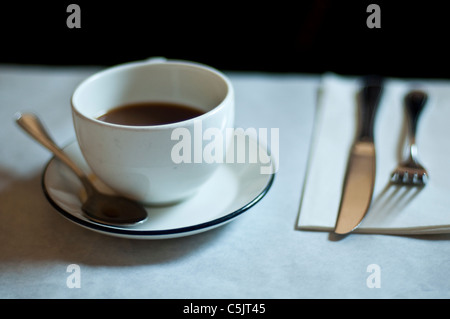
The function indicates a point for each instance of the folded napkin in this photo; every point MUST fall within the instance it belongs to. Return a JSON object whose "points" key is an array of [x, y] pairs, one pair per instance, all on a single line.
{"points": [[394, 209]]}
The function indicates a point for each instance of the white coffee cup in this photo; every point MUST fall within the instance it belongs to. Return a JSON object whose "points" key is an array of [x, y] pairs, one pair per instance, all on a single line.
{"points": [[136, 161]]}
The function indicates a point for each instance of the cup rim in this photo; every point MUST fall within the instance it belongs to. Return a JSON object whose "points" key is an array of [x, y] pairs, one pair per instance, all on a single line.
{"points": [[136, 64]]}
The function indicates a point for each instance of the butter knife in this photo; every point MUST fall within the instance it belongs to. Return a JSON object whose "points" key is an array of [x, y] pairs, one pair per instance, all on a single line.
{"points": [[360, 175]]}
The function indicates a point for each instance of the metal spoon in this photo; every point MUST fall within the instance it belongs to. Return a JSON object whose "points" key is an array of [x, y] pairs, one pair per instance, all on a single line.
{"points": [[99, 207]]}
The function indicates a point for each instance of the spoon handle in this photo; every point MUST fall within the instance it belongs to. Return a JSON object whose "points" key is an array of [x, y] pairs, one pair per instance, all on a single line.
{"points": [[33, 126]]}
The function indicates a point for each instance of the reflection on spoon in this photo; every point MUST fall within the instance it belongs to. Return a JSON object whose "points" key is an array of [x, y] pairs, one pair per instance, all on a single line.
{"points": [[99, 207]]}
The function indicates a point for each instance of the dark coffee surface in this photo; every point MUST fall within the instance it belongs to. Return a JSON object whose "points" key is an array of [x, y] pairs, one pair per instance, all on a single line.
{"points": [[150, 113]]}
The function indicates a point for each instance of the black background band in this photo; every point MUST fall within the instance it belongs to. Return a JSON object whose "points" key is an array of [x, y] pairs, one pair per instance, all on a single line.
{"points": [[272, 36]]}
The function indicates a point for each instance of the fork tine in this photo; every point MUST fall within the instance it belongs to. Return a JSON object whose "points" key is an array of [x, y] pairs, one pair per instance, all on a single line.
{"points": [[424, 178], [406, 178], [395, 177], [404, 175], [416, 179]]}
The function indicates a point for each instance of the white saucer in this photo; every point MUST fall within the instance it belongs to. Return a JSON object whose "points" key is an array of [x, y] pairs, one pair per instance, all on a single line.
{"points": [[231, 191]]}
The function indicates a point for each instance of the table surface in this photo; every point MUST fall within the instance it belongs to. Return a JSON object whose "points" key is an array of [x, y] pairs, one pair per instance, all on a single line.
{"points": [[259, 255]]}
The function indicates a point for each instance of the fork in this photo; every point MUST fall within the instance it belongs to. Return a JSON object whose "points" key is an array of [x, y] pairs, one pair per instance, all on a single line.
{"points": [[410, 171]]}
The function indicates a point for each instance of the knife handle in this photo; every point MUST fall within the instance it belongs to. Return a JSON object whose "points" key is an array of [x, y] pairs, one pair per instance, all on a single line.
{"points": [[370, 98]]}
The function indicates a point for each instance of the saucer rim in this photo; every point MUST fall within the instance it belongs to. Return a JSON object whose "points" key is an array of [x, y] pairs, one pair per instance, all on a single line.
{"points": [[136, 233]]}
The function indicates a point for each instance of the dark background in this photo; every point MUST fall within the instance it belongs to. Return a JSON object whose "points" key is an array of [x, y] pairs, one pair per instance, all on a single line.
{"points": [[271, 36]]}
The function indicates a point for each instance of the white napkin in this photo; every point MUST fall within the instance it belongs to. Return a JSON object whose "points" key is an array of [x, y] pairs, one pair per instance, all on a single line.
{"points": [[394, 209]]}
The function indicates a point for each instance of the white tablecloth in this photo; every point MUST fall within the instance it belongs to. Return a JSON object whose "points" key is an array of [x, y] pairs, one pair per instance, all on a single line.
{"points": [[259, 255]]}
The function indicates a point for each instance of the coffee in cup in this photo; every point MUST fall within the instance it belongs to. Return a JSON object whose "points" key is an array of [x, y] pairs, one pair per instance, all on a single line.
{"points": [[124, 118]]}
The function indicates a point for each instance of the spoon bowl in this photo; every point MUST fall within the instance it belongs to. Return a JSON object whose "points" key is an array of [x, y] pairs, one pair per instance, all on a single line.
{"points": [[113, 210], [99, 207]]}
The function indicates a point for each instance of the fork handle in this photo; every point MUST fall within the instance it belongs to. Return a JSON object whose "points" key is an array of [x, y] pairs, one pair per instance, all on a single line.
{"points": [[414, 104]]}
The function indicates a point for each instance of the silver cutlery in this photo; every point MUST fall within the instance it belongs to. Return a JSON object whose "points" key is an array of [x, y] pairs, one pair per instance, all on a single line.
{"points": [[410, 171], [360, 175], [99, 207]]}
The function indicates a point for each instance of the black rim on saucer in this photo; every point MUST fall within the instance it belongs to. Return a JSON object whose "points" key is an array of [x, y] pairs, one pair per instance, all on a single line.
{"points": [[142, 233]]}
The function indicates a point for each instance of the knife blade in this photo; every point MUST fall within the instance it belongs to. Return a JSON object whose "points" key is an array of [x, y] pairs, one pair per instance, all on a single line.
{"points": [[361, 167]]}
